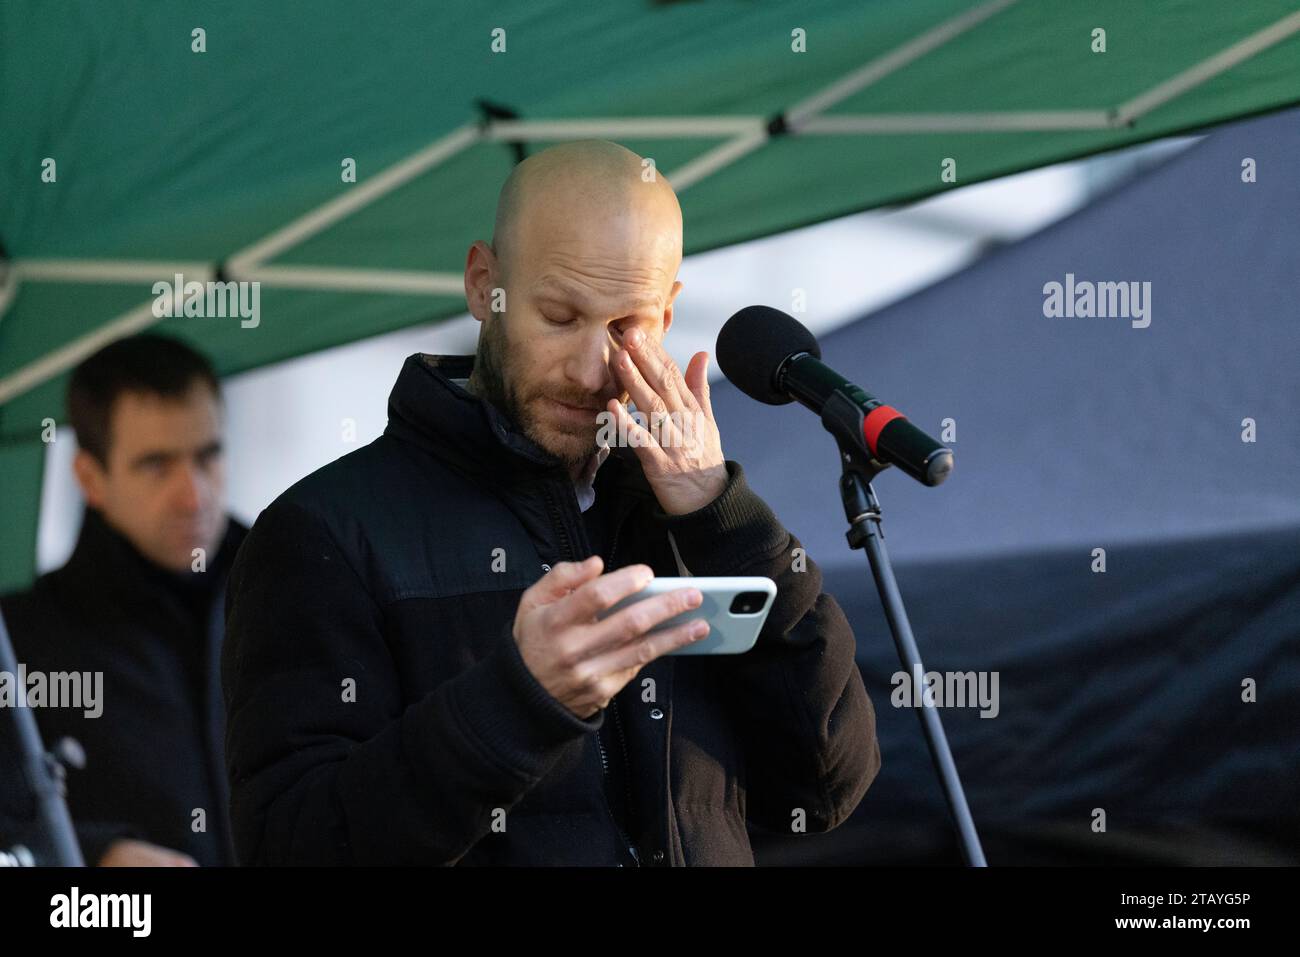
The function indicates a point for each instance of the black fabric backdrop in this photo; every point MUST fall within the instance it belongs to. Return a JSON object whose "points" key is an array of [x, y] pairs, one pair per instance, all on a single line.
{"points": [[1119, 690]]}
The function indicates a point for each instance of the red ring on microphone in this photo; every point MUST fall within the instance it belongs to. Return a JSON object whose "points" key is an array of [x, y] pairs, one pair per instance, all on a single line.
{"points": [[875, 422]]}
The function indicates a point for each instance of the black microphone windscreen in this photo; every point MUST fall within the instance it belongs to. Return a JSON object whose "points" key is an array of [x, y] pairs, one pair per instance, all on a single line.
{"points": [[752, 346]]}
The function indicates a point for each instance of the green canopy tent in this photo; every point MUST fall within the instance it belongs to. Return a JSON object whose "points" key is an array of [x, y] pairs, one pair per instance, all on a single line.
{"points": [[213, 140]]}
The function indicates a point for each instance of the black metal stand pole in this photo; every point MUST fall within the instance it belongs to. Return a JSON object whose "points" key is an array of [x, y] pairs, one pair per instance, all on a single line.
{"points": [[43, 771], [866, 530]]}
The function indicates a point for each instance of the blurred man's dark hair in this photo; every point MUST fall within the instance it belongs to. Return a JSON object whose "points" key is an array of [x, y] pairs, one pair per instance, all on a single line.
{"points": [[148, 363]]}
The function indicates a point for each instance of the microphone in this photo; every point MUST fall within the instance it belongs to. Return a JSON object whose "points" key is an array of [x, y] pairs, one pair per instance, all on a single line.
{"points": [[771, 357]]}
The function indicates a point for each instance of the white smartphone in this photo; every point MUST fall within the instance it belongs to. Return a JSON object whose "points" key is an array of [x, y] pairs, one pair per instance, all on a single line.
{"points": [[734, 607]]}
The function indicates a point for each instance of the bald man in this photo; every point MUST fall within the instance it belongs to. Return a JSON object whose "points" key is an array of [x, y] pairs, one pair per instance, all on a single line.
{"points": [[416, 668]]}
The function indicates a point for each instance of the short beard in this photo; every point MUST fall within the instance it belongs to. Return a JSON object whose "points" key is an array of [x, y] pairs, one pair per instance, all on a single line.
{"points": [[492, 379], [488, 378]]}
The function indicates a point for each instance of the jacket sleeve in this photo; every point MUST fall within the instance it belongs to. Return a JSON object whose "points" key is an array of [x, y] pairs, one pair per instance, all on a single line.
{"points": [[797, 699], [328, 763]]}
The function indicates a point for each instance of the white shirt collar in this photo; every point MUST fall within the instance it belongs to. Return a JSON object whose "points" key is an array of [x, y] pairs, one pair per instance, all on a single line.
{"points": [[585, 486]]}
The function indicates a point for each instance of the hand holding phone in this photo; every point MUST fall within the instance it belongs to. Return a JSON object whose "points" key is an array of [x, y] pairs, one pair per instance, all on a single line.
{"points": [[735, 608], [581, 651]]}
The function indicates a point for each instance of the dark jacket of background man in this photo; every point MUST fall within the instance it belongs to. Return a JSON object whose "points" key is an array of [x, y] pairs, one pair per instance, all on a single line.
{"points": [[380, 711], [155, 754]]}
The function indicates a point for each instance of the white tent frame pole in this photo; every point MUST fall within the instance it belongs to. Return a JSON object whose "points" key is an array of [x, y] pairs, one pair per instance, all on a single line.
{"points": [[1209, 68], [243, 263], [135, 272], [107, 270], [400, 281], [662, 127], [321, 218], [30, 376], [797, 116], [859, 124], [709, 162], [8, 285], [884, 65]]}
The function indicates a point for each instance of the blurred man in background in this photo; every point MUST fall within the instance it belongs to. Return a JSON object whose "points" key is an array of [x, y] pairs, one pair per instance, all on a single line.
{"points": [[140, 601]]}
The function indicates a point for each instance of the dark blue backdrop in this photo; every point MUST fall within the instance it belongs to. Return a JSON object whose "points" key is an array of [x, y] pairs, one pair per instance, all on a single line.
{"points": [[1119, 690]]}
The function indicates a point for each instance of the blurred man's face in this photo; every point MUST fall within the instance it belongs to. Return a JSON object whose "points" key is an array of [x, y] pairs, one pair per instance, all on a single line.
{"points": [[164, 484]]}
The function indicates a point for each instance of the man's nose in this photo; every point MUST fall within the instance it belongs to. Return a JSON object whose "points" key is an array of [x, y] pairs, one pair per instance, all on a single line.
{"points": [[189, 493], [589, 368]]}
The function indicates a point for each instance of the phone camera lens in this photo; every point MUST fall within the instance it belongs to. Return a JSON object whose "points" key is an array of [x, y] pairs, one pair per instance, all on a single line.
{"points": [[748, 603]]}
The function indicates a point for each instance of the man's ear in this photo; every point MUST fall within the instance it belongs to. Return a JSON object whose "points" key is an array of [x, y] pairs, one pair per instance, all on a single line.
{"points": [[480, 266], [668, 310], [90, 476]]}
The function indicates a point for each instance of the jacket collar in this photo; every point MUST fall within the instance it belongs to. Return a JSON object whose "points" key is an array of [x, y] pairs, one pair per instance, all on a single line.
{"points": [[104, 560], [429, 410]]}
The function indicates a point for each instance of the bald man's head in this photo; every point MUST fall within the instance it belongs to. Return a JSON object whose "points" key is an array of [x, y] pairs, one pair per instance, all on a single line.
{"points": [[587, 184], [587, 243]]}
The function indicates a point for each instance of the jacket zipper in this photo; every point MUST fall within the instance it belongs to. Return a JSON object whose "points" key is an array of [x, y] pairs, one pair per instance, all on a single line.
{"points": [[618, 720], [627, 761], [614, 547], [566, 549]]}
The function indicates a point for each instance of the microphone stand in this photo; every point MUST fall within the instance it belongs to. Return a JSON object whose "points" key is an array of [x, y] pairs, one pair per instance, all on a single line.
{"points": [[866, 530], [43, 771]]}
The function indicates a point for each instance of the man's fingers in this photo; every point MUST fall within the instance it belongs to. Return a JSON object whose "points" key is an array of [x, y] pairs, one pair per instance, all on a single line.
{"points": [[661, 372], [593, 597], [560, 581], [697, 380], [638, 436], [646, 397], [635, 655], [630, 623]]}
